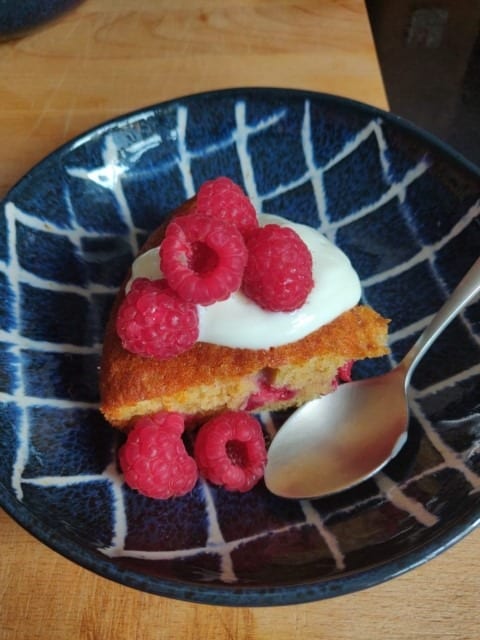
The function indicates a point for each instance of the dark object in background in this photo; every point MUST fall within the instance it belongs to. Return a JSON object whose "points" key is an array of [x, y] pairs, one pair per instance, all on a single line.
{"points": [[17, 17], [429, 53]]}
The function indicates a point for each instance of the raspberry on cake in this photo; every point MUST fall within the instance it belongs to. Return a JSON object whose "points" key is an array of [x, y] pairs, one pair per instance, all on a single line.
{"points": [[153, 321], [203, 258], [245, 356], [278, 273], [226, 201]]}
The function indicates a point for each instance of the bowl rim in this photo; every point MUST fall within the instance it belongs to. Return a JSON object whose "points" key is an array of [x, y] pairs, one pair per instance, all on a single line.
{"points": [[231, 595], [398, 121]]}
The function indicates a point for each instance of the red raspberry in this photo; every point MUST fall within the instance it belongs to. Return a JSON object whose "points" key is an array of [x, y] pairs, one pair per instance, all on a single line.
{"points": [[344, 373], [230, 451], [153, 321], [224, 199], [203, 258], [154, 460], [278, 274]]}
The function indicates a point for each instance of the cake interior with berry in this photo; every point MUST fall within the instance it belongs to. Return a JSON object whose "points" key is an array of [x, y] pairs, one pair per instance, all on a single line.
{"points": [[227, 310]]}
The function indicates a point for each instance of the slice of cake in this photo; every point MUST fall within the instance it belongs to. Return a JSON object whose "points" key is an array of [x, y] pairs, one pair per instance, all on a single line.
{"points": [[226, 310]]}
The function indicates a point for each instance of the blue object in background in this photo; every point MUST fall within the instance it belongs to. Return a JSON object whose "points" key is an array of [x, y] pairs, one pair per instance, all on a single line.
{"points": [[18, 16]]}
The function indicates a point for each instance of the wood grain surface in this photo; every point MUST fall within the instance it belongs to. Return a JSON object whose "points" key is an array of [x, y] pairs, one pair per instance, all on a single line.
{"points": [[103, 59], [43, 596], [106, 58]]}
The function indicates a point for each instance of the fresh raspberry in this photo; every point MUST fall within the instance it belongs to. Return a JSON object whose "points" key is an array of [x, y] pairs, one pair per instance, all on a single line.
{"points": [[203, 258], [153, 321], [230, 451], [278, 274], [154, 460], [224, 199]]}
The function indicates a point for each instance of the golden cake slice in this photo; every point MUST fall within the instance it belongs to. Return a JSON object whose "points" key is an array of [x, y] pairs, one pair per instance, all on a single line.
{"points": [[210, 378]]}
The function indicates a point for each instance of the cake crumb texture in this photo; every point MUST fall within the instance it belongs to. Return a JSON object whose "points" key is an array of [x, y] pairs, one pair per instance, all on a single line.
{"points": [[210, 378]]}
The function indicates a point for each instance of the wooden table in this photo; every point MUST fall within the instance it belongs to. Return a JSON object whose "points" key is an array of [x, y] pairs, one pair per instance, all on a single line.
{"points": [[96, 62]]}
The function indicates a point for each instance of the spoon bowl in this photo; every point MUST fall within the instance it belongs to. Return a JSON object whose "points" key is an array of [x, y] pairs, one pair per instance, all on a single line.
{"points": [[337, 441]]}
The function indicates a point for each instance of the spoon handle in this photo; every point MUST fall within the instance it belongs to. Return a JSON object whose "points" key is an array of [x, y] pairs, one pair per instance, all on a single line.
{"points": [[461, 296]]}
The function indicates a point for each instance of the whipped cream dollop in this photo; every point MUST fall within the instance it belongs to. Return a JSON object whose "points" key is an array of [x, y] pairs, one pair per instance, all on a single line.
{"points": [[240, 323]]}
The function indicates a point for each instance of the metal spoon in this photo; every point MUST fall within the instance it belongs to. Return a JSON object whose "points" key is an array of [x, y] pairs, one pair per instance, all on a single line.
{"points": [[336, 441]]}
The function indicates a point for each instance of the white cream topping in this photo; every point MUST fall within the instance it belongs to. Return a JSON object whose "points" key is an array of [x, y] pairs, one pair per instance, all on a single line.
{"points": [[239, 322]]}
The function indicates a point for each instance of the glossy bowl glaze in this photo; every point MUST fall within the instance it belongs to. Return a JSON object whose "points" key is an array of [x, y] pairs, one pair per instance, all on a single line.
{"points": [[403, 206]]}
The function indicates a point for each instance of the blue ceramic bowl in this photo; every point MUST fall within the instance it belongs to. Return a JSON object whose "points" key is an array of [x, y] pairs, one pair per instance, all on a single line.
{"points": [[19, 16], [403, 206]]}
